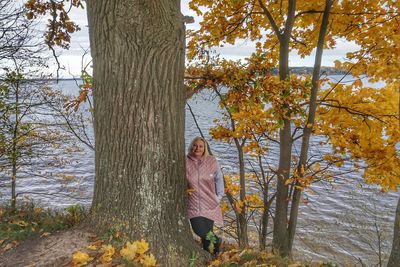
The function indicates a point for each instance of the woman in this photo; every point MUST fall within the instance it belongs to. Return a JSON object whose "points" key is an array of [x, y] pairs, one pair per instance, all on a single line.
{"points": [[205, 187]]}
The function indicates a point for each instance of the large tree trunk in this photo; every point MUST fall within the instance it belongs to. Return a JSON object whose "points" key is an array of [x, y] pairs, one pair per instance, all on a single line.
{"points": [[394, 258], [138, 65]]}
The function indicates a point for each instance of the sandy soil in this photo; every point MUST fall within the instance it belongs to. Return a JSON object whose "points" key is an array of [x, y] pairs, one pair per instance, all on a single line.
{"points": [[52, 250]]}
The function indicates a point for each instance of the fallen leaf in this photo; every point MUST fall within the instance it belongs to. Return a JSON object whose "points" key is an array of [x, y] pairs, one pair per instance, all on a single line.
{"points": [[80, 259], [45, 234], [92, 247], [19, 223], [11, 245]]}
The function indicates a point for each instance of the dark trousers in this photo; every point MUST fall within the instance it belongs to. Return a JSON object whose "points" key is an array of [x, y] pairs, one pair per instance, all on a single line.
{"points": [[202, 226]]}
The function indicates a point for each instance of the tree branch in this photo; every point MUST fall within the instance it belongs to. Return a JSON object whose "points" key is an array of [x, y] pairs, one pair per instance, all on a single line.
{"points": [[271, 19]]}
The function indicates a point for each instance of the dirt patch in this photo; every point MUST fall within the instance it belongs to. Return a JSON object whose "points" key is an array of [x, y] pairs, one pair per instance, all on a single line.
{"points": [[52, 250]]}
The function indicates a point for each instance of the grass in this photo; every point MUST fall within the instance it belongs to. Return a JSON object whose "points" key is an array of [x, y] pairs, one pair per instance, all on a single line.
{"points": [[29, 221]]}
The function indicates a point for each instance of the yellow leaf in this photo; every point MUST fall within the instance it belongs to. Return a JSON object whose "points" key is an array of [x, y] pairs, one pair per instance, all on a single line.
{"points": [[92, 247], [19, 223], [142, 246], [289, 181], [80, 259], [108, 252], [37, 210], [357, 83], [148, 260], [129, 251], [267, 255], [216, 262], [105, 258]]}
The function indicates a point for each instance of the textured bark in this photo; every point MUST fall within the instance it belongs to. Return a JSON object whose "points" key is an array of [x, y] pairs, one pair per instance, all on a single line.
{"points": [[394, 258], [310, 122], [138, 63], [280, 234]]}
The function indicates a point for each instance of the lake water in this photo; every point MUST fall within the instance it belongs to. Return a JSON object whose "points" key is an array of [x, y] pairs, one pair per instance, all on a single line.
{"points": [[338, 222]]}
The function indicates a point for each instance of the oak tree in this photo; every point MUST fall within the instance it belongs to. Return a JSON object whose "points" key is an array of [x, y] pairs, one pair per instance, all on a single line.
{"points": [[138, 52]]}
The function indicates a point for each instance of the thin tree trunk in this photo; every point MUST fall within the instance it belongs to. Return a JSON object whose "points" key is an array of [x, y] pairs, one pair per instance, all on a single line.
{"points": [[14, 155], [242, 234], [264, 225], [310, 123], [13, 185], [394, 258], [265, 219], [240, 216], [138, 66], [280, 233], [262, 238]]}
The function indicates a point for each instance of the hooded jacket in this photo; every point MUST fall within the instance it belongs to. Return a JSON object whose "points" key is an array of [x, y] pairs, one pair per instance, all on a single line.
{"points": [[206, 188]]}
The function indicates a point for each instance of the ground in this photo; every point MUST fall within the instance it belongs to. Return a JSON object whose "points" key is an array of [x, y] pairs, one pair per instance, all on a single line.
{"points": [[52, 250], [56, 250]]}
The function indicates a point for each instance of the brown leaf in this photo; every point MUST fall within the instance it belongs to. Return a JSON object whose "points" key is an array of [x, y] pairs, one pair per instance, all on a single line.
{"points": [[97, 243], [8, 247]]}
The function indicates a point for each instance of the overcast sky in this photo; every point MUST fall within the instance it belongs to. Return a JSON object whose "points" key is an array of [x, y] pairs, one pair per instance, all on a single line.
{"points": [[72, 59]]}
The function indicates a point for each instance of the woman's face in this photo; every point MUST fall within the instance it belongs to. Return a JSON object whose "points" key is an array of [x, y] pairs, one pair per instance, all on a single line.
{"points": [[198, 149]]}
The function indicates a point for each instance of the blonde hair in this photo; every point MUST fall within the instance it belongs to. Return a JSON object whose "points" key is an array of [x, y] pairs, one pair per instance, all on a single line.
{"points": [[194, 141]]}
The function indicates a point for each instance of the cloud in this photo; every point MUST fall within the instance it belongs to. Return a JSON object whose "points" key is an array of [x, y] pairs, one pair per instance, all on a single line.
{"points": [[71, 58]]}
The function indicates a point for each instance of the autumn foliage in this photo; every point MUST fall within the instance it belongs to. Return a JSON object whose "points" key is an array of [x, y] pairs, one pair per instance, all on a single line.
{"points": [[359, 123], [59, 27]]}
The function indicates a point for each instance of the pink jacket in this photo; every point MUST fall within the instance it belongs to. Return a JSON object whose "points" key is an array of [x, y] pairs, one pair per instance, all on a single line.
{"points": [[206, 187]]}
